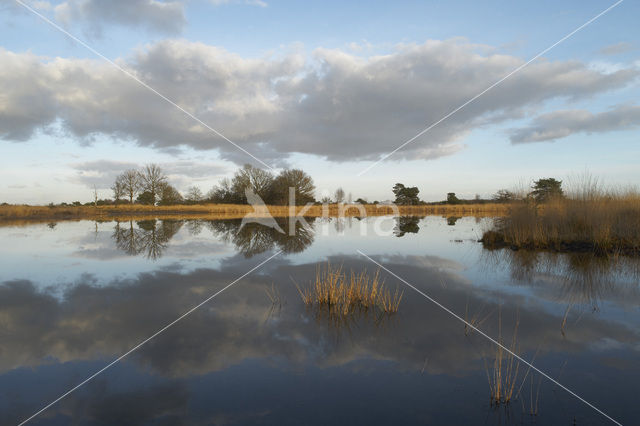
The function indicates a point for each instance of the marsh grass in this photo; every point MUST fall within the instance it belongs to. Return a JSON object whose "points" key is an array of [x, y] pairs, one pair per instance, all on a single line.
{"points": [[503, 375], [343, 294], [15, 214], [590, 220]]}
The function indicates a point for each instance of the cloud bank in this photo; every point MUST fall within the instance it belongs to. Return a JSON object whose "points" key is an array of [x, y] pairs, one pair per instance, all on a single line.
{"points": [[160, 16], [560, 124], [335, 105]]}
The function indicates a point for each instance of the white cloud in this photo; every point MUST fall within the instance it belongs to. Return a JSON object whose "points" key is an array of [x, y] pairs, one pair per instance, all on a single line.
{"points": [[337, 105]]}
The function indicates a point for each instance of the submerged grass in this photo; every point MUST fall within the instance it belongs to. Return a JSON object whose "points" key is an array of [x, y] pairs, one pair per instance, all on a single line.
{"points": [[599, 222], [344, 294]]}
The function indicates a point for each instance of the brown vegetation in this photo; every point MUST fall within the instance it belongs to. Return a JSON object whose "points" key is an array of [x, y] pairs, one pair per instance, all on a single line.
{"points": [[504, 373], [604, 223], [228, 211], [344, 294]]}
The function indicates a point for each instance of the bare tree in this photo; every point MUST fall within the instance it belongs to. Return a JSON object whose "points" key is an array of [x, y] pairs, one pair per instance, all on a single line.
{"points": [[153, 178], [339, 195], [118, 191], [222, 193], [194, 195], [95, 196], [131, 183]]}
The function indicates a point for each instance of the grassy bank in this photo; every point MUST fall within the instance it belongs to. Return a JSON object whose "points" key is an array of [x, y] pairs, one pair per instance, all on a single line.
{"points": [[604, 223], [25, 213]]}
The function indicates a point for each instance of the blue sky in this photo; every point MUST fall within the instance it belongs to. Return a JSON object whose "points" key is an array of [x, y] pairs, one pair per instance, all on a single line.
{"points": [[328, 87]]}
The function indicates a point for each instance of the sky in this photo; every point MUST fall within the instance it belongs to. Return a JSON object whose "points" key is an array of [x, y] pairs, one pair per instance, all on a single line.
{"points": [[201, 87]]}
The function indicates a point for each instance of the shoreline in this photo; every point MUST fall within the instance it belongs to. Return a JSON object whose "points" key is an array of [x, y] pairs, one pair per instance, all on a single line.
{"points": [[33, 214], [494, 240]]}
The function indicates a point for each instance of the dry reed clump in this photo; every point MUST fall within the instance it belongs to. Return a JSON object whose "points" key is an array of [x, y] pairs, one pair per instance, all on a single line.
{"points": [[604, 223], [504, 373], [344, 294]]}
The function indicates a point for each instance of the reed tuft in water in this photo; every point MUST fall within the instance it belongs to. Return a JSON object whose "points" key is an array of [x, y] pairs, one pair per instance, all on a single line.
{"points": [[345, 294], [504, 373]]}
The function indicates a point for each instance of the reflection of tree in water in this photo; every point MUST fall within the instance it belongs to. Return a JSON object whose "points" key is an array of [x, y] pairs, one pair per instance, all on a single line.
{"points": [[127, 238], [148, 238], [254, 238], [151, 237], [451, 220], [406, 225], [342, 223], [584, 278], [195, 227]]}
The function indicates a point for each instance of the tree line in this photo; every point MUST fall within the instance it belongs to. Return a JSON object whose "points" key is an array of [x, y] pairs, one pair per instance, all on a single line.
{"points": [[150, 186], [542, 190]]}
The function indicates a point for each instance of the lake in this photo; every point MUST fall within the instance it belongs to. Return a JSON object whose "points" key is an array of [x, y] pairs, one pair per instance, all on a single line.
{"points": [[75, 296]]}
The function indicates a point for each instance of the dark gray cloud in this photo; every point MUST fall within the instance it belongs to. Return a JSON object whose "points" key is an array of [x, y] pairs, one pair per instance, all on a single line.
{"points": [[161, 16], [614, 49], [338, 105], [560, 124]]}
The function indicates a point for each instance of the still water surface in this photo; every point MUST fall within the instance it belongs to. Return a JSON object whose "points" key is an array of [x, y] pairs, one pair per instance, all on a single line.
{"points": [[76, 295]]}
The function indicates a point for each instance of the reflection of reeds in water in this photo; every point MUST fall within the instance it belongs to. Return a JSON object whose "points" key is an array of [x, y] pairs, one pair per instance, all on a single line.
{"points": [[344, 294], [582, 281], [274, 295], [276, 301], [340, 324], [474, 321]]}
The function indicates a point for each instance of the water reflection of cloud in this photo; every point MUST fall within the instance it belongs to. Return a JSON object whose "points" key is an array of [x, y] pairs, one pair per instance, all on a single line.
{"points": [[424, 261], [90, 321]]}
